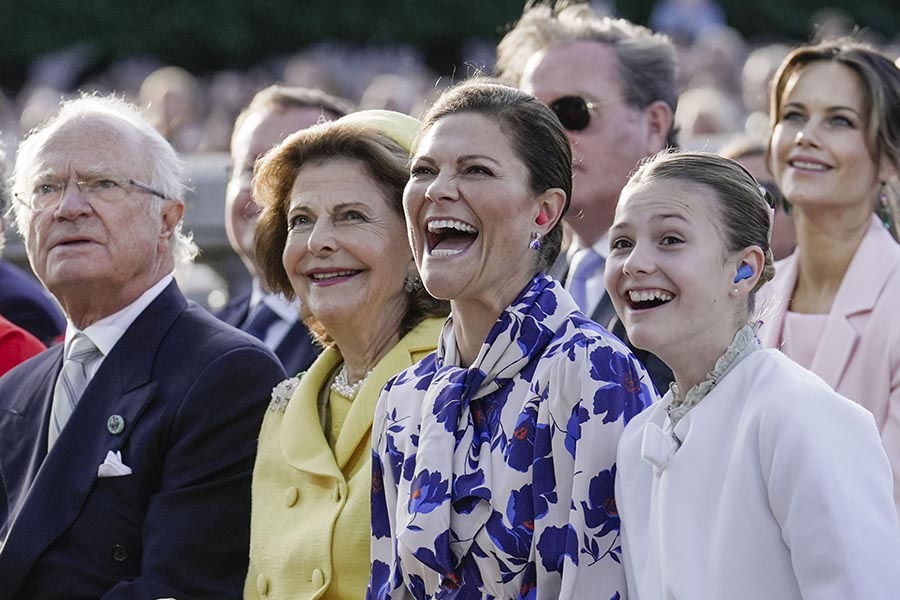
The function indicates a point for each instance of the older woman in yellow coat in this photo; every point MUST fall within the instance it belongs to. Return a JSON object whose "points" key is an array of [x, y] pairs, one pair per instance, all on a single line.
{"points": [[332, 232]]}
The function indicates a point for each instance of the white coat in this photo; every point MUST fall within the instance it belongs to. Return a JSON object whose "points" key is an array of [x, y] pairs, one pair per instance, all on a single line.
{"points": [[780, 488]]}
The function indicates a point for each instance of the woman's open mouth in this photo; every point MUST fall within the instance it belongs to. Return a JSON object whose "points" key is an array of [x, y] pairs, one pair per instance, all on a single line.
{"points": [[448, 237]]}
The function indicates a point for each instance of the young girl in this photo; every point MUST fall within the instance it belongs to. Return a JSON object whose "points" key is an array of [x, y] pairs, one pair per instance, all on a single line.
{"points": [[751, 478]]}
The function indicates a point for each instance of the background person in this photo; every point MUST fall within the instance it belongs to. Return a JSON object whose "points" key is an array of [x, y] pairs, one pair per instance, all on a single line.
{"points": [[127, 450], [16, 345], [613, 86], [834, 152], [494, 465], [274, 113], [332, 233], [739, 482], [752, 154], [22, 300]]}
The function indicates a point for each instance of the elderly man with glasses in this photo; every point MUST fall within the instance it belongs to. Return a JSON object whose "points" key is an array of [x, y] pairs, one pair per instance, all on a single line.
{"points": [[127, 451], [613, 86]]}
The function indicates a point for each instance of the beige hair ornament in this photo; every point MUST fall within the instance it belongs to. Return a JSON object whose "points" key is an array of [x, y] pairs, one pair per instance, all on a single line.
{"points": [[401, 128]]}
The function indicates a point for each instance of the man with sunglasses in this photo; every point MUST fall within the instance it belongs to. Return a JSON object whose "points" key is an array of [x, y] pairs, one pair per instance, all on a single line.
{"points": [[273, 114], [127, 450], [613, 86]]}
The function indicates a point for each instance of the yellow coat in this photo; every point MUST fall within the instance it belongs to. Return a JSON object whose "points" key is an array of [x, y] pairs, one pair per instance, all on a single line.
{"points": [[309, 528]]}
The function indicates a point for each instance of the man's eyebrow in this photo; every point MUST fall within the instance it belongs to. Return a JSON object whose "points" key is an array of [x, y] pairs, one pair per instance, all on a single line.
{"points": [[93, 171]]}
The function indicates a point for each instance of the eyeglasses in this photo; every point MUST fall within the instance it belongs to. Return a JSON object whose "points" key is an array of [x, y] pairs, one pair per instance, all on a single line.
{"points": [[47, 194], [574, 112]]}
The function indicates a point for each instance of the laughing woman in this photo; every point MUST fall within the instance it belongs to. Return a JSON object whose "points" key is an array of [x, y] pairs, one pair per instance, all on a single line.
{"points": [[495, 457], [751, 478], [332, 232]]}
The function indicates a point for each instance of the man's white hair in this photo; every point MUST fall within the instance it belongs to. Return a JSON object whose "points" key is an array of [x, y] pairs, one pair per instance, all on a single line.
{"points": [[168, 171]]}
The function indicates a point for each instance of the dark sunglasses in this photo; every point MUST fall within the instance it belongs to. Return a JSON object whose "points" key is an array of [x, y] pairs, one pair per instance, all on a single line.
{"points": [[574, 112], [774, 197]]}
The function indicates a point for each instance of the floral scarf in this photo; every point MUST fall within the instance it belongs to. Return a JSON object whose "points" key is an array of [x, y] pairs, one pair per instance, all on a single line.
{"points": [[455, 436]]}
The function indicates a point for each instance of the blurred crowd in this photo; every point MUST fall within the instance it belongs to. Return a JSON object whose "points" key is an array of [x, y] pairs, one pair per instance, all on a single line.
{"points": [[723, 79]]}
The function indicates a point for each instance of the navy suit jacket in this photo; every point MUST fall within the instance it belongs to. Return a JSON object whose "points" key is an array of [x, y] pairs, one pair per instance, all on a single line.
{"points": [[24, 302], [296, 351], [605, 314], [192, 393]]}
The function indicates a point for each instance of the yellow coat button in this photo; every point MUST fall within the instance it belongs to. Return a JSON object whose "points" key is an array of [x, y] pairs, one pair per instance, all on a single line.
{"points": [[318, 578], [262, 585], [291, 496]]}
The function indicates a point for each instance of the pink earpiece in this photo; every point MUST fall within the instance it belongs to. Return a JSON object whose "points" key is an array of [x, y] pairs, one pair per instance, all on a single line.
{"points": [[542, 218]]}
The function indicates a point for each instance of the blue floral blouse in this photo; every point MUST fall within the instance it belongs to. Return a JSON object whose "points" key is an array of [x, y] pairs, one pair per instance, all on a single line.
{"points": [[496, 481]]}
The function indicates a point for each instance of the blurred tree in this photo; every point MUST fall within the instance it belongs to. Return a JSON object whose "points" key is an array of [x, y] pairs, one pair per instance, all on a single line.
{"points": [[203, 35]]}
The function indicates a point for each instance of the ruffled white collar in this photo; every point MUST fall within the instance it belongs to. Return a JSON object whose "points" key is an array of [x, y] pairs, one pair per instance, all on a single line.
{"points": [[745, 342]]}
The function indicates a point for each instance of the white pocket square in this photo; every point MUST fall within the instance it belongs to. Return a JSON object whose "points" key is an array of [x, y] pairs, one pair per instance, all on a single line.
{"points": [[113, 466]]}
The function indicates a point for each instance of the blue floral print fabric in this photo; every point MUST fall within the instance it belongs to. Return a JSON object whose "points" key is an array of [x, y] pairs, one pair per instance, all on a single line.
{"points": [[496, 480]]}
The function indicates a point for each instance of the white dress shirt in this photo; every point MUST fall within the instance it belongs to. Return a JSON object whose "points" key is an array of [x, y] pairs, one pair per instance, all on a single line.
{"points": [[595, 287], [106, 332], [286, 310]]}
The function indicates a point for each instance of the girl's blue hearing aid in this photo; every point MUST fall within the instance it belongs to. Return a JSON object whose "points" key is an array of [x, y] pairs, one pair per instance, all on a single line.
{"points": [[744, 272]]}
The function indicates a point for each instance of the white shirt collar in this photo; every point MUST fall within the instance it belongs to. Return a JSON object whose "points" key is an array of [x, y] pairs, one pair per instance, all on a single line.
{"points": [[106, 332], [601, 247], [287, 310]]}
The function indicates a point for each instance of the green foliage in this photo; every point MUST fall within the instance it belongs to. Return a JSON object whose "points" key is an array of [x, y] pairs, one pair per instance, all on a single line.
{"points": [[766, 19], [203, 35]]}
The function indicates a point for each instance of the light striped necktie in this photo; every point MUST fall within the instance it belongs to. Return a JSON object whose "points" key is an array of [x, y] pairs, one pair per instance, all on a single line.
{"points": [[590, 262], [70, 384]]}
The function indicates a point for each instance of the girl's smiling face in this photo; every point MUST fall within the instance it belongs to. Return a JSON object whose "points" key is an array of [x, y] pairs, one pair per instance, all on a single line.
{"points": [[669, 273]]}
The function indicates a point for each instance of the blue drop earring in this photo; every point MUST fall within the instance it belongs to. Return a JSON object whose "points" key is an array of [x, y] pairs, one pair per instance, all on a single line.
{"points": [[535, 241]]}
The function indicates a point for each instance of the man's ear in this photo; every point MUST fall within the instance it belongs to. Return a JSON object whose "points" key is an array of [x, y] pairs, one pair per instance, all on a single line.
{"points": [[172, 212], [658, 122]]}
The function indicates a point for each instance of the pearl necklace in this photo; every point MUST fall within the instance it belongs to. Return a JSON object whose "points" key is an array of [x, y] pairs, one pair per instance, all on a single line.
{"points": [[342, 386]]}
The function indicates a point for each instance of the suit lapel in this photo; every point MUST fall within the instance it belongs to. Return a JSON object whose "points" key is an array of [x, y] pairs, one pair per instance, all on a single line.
{"points": [[303, 442], [358, 425], [858, 294], [297, 351], [560, 268], [24, 411], [604, 311], [235, 312], [122, 386]]}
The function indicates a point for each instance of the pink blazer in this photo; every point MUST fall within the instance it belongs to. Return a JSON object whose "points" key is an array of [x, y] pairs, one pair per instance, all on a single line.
{"points": [[859, 354]]}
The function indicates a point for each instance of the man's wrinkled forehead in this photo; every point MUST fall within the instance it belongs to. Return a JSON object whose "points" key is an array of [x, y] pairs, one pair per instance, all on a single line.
{"points": [[89, 145]]}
